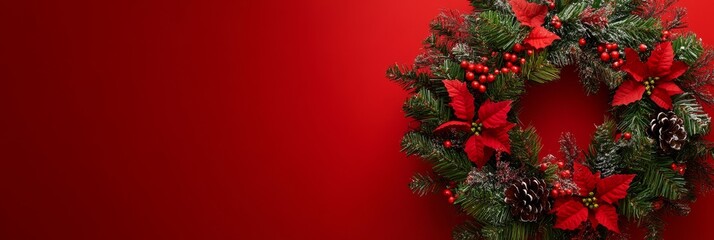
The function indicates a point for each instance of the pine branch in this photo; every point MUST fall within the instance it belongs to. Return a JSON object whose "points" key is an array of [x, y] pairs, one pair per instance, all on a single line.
{"points": [[506, 87], [632, 31], [592, 73], [466, 231], [539, 69], [635, 118], [687, 48], [427, 108], [525, 145], [660, 180], [422, 184], [449, 163], [499, 30], [635, 206], [407, 77], [485, 204], [696, 120], [603, 152]]}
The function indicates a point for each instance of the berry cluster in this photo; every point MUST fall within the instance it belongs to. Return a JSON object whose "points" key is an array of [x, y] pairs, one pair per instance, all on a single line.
{"points": [[559, 189], [449, 193], [555, 21], [679, 168], [610, 52], [478, 74]]}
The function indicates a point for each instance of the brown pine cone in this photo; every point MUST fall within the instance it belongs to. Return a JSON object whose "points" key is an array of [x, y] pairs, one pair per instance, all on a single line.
{"points": [[668, 131]]}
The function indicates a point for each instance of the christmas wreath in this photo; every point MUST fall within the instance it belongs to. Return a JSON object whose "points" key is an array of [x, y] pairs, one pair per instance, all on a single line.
{"points": [[647, 159]]}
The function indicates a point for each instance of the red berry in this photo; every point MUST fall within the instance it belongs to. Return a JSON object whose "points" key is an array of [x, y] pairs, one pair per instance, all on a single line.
{"points": [[530, 52], [523, 61], [605, 57], [509, 64], [505, 70], [558, 25], [475, 85], [614, 46], [674, 166], [616, 64], [622, 62], [472, 67], [496, 71], [514, 58], [452, 200], [551, 5], [491, 78], [560, 165], [556, 185], [666, 33], [582, 42], [482, 79], [518, 48], [447, 192], [609, 46], [681, 171], [506, 56], [516, 69], [484, 59], [482, 88], [479, 68], [543, 166], [565, 174], [554, 193], [600, 48], [470, 76], [464, 64], [447, 144], [561, 192], [627, 136], [568, 192], [615, 55], [485, 69], [643, 48]]}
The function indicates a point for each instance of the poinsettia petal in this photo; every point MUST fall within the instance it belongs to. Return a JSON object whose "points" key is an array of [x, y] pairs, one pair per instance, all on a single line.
{"points": [[498, 138], [593, 220], [540, 37], [614, 188], [475, 151], [670, 87], [660, 62], [461, 99], [570, 215], [529, 14], [455, 125], [494, 115], [634, 66], [678, 68], [584, 178], [606, 215], [628, 92], [662, 98]]}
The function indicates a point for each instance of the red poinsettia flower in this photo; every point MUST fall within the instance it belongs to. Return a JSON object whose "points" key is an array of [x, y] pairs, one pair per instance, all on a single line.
{"points": [[533, 15], [654, 78], [594, 200], [489, 128]]}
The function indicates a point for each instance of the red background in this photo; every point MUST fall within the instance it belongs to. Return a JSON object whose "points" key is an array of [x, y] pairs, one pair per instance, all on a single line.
{"points": [[230, 120]]}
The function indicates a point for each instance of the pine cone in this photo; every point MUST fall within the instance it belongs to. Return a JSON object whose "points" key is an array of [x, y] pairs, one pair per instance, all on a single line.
{"points": [[528, 199], [668, 130]]}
